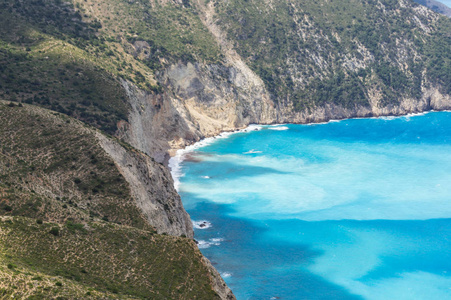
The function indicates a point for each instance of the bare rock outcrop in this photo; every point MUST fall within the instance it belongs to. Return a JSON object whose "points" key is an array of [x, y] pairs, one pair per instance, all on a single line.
{"points": [[205, 100], [200, 101], [152, 188], [218, 283]]}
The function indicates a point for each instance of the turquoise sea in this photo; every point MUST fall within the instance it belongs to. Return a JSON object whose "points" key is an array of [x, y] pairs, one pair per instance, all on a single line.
{"points": [[352, 209]]}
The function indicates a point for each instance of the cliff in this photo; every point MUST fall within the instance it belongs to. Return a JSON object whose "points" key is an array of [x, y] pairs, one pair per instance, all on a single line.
{"points": [[349, 75], [160, 75], [152, 188], [158, 131], [84, 215]]}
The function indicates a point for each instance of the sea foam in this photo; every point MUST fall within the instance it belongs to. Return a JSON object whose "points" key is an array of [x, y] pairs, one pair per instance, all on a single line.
{"points": [[201, 224], [280, 128], [353, 208], [175, 161], [211, 242], [252, 151]]}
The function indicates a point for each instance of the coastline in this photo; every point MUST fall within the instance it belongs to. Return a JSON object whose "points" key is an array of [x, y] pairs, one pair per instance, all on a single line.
{"points": [[175, 161], [403, 119]]}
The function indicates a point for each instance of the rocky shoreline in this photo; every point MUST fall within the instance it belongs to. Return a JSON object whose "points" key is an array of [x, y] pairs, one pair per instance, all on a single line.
{"points": [[197, 105]]}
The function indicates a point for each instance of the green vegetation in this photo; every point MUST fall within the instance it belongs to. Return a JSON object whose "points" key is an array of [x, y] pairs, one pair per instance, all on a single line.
{"points": [[68, 225], [106, 261], [318, 52], [439, 56], [44, 151], [173, 32], [69, 56], [44, 60]]}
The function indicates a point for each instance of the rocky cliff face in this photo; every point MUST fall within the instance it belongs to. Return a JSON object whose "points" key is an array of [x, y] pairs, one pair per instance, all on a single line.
{"points": [[201, 99], [152, 189], [218, 283], [150, 182], [204, 101]]}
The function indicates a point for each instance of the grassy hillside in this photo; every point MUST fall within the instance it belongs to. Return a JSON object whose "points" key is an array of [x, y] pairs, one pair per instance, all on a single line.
{"points": [[318, 52], [52, 168], [69, 55], [97, 260], [68, 225], [44, 60]]}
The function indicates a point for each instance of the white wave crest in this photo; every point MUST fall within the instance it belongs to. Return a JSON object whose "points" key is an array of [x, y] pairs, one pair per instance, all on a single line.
{"points": [[252, 127], [217, 241], [278, 128], [211, 242], [176, 161], [252, 151]]}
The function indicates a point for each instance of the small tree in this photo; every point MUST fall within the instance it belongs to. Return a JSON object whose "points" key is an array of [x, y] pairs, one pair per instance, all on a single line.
{"points": [[55, 231]]}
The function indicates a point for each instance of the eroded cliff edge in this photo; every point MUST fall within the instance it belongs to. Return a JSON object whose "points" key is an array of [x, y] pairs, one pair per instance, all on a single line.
{"points": [[200, 67], [203, 100], [152, 188]]}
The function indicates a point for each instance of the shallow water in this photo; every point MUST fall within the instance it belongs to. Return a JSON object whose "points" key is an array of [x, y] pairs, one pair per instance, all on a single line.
{"points": [[355, 209]]}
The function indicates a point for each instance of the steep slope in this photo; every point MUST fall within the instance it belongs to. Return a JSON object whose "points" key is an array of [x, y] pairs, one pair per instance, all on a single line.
{"points": [[63, 161], [298, 61], [162, 74], [84, 210], [349, 54], [166, 73]]}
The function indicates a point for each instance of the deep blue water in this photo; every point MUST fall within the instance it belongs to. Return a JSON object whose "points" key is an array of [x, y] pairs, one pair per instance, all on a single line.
{"points": [[355, 209]]}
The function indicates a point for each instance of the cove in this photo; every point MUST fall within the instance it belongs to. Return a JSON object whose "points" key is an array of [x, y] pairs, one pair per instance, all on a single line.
{"points": [[351, 209]]}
